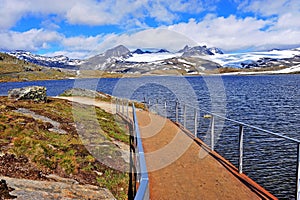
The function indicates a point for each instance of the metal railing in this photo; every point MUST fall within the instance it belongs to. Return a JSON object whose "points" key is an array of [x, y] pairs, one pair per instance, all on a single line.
{"points": [[122, 107], [182, 109]]}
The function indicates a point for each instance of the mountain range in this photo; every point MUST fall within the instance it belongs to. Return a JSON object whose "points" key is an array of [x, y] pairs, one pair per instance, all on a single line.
{"points": [[189, 60]]}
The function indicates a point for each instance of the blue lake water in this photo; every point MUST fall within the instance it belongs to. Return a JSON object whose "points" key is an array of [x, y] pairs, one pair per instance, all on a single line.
{"points": [[269, 102]]}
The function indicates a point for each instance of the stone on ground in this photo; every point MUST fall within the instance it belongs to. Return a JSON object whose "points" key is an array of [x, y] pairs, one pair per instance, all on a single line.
{"points": [[35, 93], [24, 189]]}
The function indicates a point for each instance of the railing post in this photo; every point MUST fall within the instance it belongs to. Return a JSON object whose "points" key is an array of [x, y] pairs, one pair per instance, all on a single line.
{"points": [[127, 112], [156, 106], [123, 106], [195, 122], [166, 113], [241, 138], [184, 116], [298, 172], [212, 132], [116, 102], [176, 111]]}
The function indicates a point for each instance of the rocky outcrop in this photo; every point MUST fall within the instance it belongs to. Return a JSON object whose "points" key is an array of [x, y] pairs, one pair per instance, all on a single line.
{"points": [[54, 125], [24, 189], [35, 93], [199, 51], [86, 93]]}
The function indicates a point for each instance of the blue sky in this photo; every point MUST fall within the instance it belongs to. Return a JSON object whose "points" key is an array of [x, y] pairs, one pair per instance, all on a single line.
{"points": [[82, 28]]}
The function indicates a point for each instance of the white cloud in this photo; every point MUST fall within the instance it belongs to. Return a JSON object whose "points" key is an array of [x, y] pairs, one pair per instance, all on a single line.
{"points": [[151, 38], [159, 12], [93, 12], [233, 33], [10, 12], [82, 43], [31, 40], [271, 7]]}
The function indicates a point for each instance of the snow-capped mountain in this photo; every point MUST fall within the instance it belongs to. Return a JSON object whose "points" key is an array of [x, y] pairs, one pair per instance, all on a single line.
{"points": [[101, 61], [189, 60], [199, 51], [273, 58], [56, 61], [121, 60]]}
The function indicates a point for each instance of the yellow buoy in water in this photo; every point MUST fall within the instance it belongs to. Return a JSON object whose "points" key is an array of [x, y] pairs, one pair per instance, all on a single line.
{"points": [[207, 116]]}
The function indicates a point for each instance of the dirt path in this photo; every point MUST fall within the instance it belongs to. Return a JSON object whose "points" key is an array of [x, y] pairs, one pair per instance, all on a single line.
{"points": [[107, 106], [181, 169]]}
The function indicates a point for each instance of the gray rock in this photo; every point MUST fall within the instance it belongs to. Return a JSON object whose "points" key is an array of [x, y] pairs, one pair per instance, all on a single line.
{"points": [[35, 93], [24, 189], [56, 125], [85, 93], [197, 51]]}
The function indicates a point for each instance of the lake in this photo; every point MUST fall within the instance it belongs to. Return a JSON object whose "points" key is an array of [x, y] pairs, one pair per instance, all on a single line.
{"points": [[269, 102]]}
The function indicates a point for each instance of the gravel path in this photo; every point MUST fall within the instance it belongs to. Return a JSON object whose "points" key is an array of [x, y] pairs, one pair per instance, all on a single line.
{"points": [[107, 106]]}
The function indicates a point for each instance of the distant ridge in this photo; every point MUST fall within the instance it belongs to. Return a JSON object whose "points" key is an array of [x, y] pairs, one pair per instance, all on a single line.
{"points": [[139, 51], [188, 60]]}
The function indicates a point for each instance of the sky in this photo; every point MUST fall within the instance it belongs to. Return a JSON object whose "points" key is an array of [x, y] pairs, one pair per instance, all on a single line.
{"points": [[83, 28]]}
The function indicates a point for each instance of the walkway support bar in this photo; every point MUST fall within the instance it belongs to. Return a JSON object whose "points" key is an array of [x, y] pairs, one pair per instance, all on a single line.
{"points": [[143, 190], [139, 162], [241, 139]]}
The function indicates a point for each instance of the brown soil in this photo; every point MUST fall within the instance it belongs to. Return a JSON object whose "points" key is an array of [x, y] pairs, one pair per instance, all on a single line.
{"points": [[19, 167], [180, 169]]}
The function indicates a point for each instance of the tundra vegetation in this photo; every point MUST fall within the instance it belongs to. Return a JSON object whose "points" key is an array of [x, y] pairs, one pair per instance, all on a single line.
{"points": [[30, 149]]}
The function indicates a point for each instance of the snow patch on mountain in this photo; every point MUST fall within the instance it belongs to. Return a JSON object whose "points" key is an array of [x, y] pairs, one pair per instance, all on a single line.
{"points": [[235, 59]]}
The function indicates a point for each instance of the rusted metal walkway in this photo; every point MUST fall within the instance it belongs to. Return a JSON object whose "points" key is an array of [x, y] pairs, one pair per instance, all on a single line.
{"points": [[181, 167], [169, 162]]}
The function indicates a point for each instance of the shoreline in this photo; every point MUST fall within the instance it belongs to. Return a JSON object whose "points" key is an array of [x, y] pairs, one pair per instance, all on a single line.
{"points": [[258, 73]]}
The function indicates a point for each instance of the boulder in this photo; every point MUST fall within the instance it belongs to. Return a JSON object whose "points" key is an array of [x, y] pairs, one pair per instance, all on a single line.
{"points": [[85, 93], [35, 93]]}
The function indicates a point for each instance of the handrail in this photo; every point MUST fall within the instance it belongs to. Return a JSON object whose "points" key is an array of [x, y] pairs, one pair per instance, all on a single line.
{"points": [[143, 191], [247, 125], [140, 162], [240, 133]]}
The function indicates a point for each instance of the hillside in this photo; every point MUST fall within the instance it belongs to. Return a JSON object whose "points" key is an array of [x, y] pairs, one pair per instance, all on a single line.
{"points": [[14, 69], [41, 142]]}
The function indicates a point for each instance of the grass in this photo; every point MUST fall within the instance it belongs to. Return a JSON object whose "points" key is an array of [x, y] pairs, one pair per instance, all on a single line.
{"points": [[110, 180], [62, 154]]}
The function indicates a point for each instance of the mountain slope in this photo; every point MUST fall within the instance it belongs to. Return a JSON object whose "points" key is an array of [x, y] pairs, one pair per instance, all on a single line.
{"points": [[56, 61], [14, 69], [110, 56]]}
